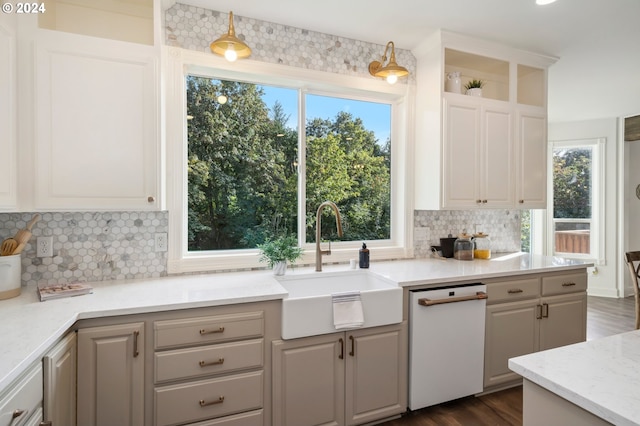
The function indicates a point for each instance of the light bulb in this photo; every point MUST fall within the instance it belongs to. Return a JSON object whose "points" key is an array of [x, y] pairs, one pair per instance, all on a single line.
{"points": [[230, 54], [392, 78]]}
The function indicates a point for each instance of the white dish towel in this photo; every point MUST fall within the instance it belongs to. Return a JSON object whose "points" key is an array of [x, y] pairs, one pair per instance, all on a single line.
{"points": [[347, 310]]}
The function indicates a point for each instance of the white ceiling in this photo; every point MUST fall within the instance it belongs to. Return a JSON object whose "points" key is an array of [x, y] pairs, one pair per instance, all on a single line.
{"points": [[597, 41]]}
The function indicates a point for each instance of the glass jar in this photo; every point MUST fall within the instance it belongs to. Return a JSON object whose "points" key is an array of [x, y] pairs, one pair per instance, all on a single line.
{"points": [[482, 246], [463, 247]]}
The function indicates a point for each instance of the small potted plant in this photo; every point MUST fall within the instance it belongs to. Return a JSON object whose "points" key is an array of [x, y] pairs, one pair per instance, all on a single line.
{"points": [[474, 87], [278, 251]]}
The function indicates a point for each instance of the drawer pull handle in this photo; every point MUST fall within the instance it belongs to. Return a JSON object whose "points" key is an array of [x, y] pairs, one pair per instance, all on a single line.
{"points": [[515, 290], [217, 362], [353, 346], [341, 356], [17, 413], [218, 330], [204, 403], [568, 284]]}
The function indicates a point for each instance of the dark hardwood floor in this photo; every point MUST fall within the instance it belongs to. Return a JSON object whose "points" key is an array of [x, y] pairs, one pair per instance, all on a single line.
{"points": [[605, 317]]}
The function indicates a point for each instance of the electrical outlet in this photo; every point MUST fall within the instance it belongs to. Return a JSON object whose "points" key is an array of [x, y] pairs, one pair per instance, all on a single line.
{"points": [[161, 241], [44, 247]]}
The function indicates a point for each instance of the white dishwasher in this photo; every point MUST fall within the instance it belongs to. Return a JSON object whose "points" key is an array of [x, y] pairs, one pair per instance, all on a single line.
{"points": [[446, 343]]}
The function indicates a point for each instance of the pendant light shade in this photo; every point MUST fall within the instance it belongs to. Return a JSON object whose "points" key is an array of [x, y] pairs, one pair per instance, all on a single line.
{"points": [[230, 46], [392, 71]]}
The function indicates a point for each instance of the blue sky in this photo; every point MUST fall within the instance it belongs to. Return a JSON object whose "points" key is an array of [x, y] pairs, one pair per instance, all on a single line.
{"points": [[375, 116]]}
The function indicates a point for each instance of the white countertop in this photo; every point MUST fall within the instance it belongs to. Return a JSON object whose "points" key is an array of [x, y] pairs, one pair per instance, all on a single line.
{"points": [[601, 376], [29, 327], [441, 271]]}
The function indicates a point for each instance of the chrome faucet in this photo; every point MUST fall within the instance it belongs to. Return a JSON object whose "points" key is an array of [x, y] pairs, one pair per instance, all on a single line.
{"points": [[319, 252]]}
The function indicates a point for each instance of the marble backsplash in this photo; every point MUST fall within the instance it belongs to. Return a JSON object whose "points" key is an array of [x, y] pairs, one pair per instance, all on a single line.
{"points": [[91, 246], [100, 246], [503, 227], [193, 28]]}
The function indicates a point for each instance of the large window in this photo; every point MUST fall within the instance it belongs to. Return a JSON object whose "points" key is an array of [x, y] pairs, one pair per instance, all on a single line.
{"points": [[244, 168], [575, 209]]}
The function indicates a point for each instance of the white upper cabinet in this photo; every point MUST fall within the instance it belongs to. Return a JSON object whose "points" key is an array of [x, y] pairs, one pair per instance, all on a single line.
{"points": [[97, 123], [478, 155], [532, 168], [485, 151], [8, 105]]}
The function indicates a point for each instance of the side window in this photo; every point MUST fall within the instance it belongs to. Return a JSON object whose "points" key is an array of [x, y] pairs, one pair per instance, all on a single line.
{"points": [[575, 221]]}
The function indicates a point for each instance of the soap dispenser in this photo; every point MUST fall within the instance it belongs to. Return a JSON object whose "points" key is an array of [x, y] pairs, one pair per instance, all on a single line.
{"points": [[364, 256]]}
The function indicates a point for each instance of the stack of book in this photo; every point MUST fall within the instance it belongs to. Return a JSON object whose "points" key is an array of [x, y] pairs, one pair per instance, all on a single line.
{"points": [[57, 291]]}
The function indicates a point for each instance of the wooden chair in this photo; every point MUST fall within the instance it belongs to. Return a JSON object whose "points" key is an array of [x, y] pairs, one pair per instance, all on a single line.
{"points": [[633, 261]]}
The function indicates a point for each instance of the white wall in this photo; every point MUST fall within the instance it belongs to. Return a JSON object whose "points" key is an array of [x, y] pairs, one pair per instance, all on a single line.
{"points": [[605, 281]]}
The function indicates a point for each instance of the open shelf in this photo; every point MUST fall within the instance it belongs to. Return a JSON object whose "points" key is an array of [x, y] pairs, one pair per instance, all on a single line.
{"points": [[494, 72], [531, 88]]}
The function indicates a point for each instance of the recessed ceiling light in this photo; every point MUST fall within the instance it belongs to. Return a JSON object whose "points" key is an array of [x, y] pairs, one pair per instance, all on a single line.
{"points": [[543, 2]]}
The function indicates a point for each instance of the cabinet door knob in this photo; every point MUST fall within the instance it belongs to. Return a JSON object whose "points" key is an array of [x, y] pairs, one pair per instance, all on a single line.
{"points": [[521, 201], [151, 199], [478, 201], [341, 356], [484, 201], [353, 346]]}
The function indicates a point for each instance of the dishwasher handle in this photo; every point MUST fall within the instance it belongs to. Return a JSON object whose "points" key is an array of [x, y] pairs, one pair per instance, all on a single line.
{"points": [[480, 295]]}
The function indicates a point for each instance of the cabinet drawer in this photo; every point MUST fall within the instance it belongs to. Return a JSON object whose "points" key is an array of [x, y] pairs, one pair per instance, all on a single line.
{"points": [[253, 418], [25, 395], [513, 290], [561, 284], [206, 399], [191, 331], [208, 360]]}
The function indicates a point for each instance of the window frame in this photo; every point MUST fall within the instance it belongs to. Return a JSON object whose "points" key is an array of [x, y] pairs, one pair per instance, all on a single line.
{"points": [[182, 62], [597, 221]]}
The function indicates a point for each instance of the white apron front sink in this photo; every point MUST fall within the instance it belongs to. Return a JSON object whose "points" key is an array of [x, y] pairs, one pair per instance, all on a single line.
{"points": [[308, 309]]}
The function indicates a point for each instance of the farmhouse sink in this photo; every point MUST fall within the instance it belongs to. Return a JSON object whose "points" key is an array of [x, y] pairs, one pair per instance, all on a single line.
{"points": [[308, 309]]}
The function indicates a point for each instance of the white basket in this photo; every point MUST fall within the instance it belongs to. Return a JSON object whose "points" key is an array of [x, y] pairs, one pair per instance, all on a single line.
{"points": [[10, 272]]}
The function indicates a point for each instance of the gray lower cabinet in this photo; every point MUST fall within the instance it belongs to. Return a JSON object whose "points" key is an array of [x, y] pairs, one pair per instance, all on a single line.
{"points": [[111, 375], [210, 369], [59, 366], [347, 378], [525, 315]]}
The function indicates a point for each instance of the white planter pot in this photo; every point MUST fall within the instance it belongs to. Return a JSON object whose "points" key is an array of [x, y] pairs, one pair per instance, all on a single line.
{"points": [[280, 268], [476, 91]]}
